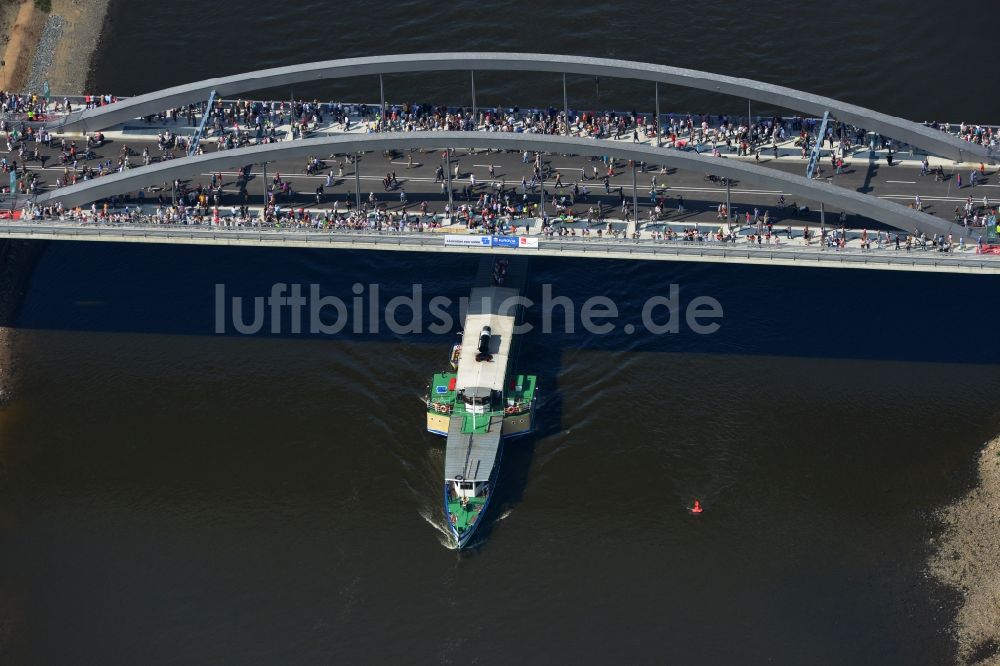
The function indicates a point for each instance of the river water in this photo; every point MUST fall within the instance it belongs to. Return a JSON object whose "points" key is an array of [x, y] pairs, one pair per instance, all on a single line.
{"points": [[173, 495]]}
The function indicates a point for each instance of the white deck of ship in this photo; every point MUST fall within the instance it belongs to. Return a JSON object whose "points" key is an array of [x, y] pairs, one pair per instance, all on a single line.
{"points": [[487, 307]]}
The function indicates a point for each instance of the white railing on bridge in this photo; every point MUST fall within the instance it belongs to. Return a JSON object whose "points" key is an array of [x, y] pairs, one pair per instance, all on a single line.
{"points": [[596, 247]]}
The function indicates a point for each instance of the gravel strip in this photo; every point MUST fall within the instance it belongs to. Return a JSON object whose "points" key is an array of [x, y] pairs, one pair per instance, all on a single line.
{"points": [[47, 44]]}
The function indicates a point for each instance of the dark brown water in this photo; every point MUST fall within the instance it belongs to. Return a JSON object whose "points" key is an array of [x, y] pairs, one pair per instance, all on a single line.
{"points": [[169, 495], [919, 61]]}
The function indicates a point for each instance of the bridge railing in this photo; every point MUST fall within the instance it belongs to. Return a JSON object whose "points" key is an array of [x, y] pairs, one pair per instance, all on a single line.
{"points": [[589, 246]]}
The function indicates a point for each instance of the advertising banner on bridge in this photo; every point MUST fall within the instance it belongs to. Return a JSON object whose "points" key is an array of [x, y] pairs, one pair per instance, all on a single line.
{"points": [[504, 241], [467, 241], [511, 242]]}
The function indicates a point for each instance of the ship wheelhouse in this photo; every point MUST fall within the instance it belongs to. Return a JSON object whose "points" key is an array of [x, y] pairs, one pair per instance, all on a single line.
{"points": [[462, 489], [477, 400]]}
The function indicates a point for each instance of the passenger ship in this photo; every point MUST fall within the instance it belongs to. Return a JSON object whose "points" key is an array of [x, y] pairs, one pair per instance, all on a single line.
{"points": [[481, 401]]}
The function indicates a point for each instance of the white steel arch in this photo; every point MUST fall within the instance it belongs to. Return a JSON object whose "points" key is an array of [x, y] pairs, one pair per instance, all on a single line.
{"points": [[916, 134]]}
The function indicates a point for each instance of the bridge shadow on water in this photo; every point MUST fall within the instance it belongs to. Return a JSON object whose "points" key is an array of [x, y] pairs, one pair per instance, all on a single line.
{"points": [[782, 311]]}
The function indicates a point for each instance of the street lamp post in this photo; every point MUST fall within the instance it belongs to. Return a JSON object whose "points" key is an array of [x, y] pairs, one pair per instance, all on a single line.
{"points": [[357, 181], [565, 105], [541, 189], [658, 114], [381, 114], [728, 210], [635, 198], [447, 171]]}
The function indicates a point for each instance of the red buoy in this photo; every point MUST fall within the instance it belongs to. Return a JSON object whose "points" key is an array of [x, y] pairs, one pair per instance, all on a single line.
{"points": [[696, 509]]}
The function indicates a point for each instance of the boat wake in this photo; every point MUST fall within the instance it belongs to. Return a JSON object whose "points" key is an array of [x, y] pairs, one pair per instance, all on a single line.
{"points": [[445, 537]]}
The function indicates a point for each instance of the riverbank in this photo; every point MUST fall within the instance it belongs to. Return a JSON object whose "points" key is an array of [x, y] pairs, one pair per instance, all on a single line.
{"points": [[58, 46], [967, 558]]}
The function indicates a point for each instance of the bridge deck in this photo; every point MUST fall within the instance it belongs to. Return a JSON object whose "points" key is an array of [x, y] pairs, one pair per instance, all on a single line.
{"points": [[865, 171]]}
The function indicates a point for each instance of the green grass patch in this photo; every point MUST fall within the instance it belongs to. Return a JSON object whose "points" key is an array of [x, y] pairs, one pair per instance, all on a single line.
{"points": [[44, 5]]}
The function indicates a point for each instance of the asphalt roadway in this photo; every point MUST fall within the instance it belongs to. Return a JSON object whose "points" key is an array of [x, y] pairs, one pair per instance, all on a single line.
{"points": [[865, 172]]}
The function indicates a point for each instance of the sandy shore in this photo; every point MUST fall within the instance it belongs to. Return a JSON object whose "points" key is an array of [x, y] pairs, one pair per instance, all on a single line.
{"points": [[967, 558], [62, 53]]}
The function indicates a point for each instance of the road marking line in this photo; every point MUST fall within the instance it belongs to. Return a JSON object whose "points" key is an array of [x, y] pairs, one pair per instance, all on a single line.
{"points": [[905, 197], [903, 182], [722, 189]]}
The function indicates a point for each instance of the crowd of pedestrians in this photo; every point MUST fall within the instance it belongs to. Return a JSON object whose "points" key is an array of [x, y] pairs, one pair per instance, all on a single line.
{"points": [[493, 206]]}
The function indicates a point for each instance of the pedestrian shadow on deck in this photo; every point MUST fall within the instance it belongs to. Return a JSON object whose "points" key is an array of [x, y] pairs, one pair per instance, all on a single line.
{"points": [[871, 174]]}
